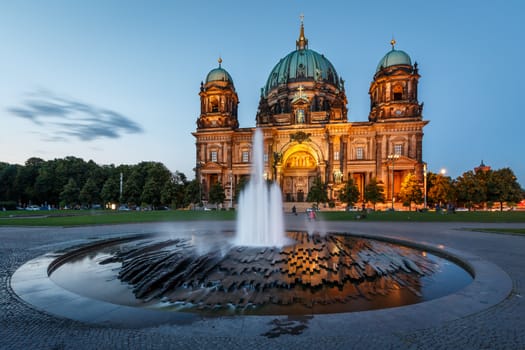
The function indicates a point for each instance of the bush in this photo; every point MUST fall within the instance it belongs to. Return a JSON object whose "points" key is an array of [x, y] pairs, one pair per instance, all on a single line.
{"points": [[8, 205]]}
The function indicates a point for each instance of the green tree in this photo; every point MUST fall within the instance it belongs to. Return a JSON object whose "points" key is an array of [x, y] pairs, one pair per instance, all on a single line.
{"points": [[502, 186], [440, 189], [174, 190], [69, 194], [317, 192], [132, 187], [69, 168], [110, 191], [411, 191], [45, 188], [193, 193], [89, 194], [216, 194], [471, 188], [350, 193], [8, 174], [374, 193], [25, 179], [156, 175]]}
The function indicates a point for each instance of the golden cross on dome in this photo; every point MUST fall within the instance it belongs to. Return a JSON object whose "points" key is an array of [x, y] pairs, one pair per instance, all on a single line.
{"points": [[301, 16], [300, 88], [393, 42], [220, 61]]}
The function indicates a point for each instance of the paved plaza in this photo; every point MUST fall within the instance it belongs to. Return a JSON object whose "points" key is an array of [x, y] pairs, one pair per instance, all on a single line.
{"points": [[489, 314]]}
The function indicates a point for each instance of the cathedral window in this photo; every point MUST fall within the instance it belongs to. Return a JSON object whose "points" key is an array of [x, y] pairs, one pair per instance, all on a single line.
{"points": [[213, 156], [245, 156], [359, 153], [398, 149], [336, 155], [265, 157], [398, 92], [300, 116], [214, 105]]}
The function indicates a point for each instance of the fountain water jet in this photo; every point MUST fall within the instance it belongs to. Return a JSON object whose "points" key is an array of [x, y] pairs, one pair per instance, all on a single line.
{"points": [[260, 210]]}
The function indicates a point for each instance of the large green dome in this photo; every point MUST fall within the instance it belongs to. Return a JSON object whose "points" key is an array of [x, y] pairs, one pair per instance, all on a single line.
{"points": [[394, 58], [302, 65]]}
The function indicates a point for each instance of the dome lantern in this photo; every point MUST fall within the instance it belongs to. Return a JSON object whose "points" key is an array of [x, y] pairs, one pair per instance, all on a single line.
{"points": [[302, 42]]}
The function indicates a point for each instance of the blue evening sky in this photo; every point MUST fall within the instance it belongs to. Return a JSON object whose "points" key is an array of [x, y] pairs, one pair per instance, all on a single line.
{"points": [[117, 81]]}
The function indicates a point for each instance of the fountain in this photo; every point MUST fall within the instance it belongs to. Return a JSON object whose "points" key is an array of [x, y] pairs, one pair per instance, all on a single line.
{"points": [[260, 269], [260, 209]]}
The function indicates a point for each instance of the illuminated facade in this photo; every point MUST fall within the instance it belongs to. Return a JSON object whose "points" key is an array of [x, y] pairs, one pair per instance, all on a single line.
{"points": [[303, 115]]}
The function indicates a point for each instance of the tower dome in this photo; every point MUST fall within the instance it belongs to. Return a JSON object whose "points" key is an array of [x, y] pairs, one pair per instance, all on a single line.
{"points": [[300, 65], [393, 58], [219, 74], [218, 101]]}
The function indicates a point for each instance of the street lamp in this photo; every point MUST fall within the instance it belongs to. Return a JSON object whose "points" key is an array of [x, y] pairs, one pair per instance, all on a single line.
{"points": [[393, 158], [231, 189], [442, 172], [425, 183]]}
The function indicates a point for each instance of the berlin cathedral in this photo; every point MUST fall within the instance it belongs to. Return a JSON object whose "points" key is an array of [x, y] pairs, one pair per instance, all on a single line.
{"points": [[303, 117]]}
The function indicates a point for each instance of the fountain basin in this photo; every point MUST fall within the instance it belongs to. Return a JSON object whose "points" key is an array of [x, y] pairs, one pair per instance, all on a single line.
{"points": [[203, 273]]}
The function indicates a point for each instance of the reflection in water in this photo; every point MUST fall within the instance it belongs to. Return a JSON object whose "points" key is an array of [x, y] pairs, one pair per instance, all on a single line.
{"points": [[317, 274]]}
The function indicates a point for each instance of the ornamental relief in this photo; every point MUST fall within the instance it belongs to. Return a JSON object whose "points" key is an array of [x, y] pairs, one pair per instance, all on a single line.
{"points": [[300, 160]]}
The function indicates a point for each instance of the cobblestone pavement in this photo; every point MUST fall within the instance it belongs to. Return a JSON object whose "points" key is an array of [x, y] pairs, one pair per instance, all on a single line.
{"points": [[501, 326]]}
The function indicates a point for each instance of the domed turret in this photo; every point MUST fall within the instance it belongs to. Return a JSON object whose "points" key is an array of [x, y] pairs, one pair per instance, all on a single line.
{"points": [[218, 101], [219, 74], [393, 93], [394, 58]]}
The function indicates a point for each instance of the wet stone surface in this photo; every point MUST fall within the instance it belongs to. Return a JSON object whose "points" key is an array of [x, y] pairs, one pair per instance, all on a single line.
{"points": [[316, 274], [498, 327]]}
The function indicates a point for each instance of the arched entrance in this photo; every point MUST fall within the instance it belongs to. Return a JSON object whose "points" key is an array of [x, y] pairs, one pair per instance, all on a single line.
{"points": [[299, 170]]}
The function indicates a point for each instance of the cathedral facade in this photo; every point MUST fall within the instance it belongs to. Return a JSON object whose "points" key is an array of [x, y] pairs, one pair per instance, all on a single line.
{"points": [[303, 116]]}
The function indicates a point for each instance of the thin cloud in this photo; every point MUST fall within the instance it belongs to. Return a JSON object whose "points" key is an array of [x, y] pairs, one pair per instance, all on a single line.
{"points": [[71, 119]]}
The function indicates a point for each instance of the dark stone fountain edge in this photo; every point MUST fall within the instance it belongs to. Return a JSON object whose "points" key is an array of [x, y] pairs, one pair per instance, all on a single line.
{"points": [[33, 286]]}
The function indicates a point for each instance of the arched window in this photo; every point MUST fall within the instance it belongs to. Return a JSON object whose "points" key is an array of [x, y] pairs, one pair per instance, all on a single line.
{"points": [[300, 116], [214, 104], [398, 92]]}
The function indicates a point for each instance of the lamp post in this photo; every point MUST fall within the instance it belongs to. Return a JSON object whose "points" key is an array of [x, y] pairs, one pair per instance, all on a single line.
{"points": [[231, 189], [443, 172], [199, 179], [393, 158], [425, 184]]}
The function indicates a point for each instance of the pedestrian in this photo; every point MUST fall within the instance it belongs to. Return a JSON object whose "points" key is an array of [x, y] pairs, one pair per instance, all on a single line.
{"points": [[294, 210]]}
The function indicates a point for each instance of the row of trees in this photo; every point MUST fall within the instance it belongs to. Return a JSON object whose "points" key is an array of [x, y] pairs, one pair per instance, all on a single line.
{"points": [[73, 182], [481, 189]]}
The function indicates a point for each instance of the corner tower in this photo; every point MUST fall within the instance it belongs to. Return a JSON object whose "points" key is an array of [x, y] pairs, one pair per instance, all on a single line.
{"points": [[218, 101], [393, 92]]}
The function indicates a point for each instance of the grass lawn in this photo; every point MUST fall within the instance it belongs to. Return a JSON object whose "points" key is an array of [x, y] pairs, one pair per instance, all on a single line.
{"points": [[104, 217], [517, 231], [474, 216]]}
